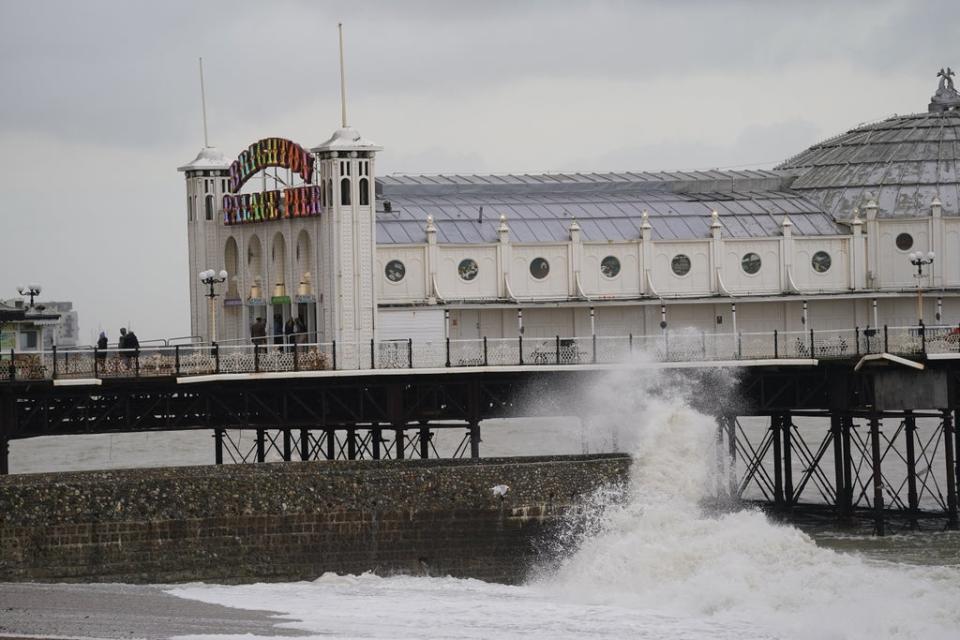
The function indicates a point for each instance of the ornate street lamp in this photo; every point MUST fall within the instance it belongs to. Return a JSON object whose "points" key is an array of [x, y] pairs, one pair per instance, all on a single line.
{"points": [[919, 260], [210, 278], [32, 290]]}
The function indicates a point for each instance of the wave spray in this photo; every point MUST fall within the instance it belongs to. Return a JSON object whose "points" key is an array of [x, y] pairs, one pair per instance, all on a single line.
{"points": [[654, 546]]}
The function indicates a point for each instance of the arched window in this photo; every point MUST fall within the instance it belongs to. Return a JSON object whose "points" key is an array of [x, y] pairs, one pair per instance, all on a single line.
{"points": [[208, 204], [329, 192], [345, 191], [364, 192], [231, 262], [303, 256]]}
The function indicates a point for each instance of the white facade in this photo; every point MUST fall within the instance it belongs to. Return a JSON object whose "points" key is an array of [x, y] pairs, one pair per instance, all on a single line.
{"points": [[329, 270]]}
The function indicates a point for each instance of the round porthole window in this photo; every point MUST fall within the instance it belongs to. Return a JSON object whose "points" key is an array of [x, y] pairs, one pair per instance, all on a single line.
{"points": [[395, 271], [468, 269], [680, 264], [610, 266], [539, 268], [750, 263], [904, 242], [821, 261]]}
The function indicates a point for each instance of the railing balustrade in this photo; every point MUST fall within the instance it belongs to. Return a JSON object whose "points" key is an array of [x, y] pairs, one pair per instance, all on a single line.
{"points": [[194, 359]]}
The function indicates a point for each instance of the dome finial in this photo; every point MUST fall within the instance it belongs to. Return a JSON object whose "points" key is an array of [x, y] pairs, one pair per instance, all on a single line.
{"points": [[946, 98]]}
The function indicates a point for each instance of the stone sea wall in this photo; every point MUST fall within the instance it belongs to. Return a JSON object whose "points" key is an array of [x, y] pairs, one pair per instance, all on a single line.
{"points": [[293, 520]]}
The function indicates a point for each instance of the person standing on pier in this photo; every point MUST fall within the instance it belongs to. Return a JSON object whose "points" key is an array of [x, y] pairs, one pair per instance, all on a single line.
{"points": [[289, 333], [102, 350], [258, 332], [278, 330]]}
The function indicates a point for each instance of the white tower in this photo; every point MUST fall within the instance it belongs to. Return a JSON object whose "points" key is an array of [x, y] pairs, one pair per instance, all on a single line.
{"points": [[207, 178], [345, 170]]}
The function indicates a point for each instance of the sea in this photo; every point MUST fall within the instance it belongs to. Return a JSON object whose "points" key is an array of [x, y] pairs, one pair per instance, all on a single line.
{"points": [[650, 559]]}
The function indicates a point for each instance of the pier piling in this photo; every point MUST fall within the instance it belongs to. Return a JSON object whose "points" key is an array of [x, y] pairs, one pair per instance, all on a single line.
{"points": [[877, 476]]}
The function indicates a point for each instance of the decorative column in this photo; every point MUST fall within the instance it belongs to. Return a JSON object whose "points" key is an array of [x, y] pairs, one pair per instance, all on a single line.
{"points": [[646, 253], [936, 241], [432, 261], [872, 244], [576, 257], [786, 255], [716, 252], [503, 256], [858, 265]]}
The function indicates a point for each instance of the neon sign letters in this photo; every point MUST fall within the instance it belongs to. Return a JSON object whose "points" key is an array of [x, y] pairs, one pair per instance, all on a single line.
{"points": [[270, 152], [293, 202]]}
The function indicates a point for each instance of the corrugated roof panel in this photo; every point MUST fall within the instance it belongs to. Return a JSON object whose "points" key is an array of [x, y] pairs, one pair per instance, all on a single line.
{"points": [[662, 231]]}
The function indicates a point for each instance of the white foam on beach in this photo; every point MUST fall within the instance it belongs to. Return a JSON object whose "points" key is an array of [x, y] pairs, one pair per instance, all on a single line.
{"points": [[654, 566]]}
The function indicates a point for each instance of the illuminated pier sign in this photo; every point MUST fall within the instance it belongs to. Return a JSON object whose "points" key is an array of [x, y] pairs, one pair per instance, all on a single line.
{"points": [[270, 152], [292, 202], [295, 202]]}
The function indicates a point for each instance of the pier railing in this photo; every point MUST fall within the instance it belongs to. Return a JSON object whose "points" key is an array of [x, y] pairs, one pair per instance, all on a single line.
{"points": [[669, 346]]}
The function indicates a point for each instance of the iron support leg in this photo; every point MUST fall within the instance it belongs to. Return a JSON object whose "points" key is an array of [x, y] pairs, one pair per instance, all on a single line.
{"points": [[398, 440], [956, 448], [877, 477], [732, 456], [351, 444], [718, 447], [218, 446], [948, 454], [786, 428], [261, 446], [909, 431], [375, 436], [475, 440], [777, 462], [7, 417], [287, 446], [837, 442], [304, 444], [846, 425], [331, 444], [424, 443]]}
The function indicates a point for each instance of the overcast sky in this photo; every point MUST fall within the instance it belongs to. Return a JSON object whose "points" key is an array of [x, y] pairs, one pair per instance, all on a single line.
{"points": [[100, 104]]}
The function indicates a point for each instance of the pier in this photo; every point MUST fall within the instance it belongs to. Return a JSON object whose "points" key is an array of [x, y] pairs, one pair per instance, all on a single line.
{"points": [[866, 390]]}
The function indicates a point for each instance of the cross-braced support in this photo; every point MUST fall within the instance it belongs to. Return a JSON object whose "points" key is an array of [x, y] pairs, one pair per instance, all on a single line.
{"points": [[886, 475]]}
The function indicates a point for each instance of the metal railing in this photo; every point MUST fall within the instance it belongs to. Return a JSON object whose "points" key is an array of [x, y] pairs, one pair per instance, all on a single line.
{"points": [[669, 346]]}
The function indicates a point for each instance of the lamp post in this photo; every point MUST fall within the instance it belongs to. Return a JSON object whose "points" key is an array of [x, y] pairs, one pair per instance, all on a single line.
{"points": [[210, 278], [32, 290], [919, 260]]}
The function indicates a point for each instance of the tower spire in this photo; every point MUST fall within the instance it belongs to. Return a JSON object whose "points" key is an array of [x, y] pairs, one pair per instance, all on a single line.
{"points": [[203, 106], [343, 83]]}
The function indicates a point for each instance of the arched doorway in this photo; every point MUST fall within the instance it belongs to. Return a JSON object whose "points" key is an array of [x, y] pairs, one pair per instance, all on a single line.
{"points": [[280, 297], [306, 301]]}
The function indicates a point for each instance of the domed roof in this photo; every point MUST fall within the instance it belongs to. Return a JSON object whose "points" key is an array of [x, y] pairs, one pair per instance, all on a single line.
{"points": [[208, 158], [347, 139], [901, 163]]}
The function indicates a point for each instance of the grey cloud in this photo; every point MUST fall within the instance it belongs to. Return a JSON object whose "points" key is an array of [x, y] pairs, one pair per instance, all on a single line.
{"points": [[124, 73], [100, 104]]}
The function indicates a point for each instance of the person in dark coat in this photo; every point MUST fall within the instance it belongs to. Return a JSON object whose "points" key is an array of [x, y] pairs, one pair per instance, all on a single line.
{"points": [[258, 332], [122, 344], [278, 329], [301, 331], [101, 349], [289, 329], [132, 341]]}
